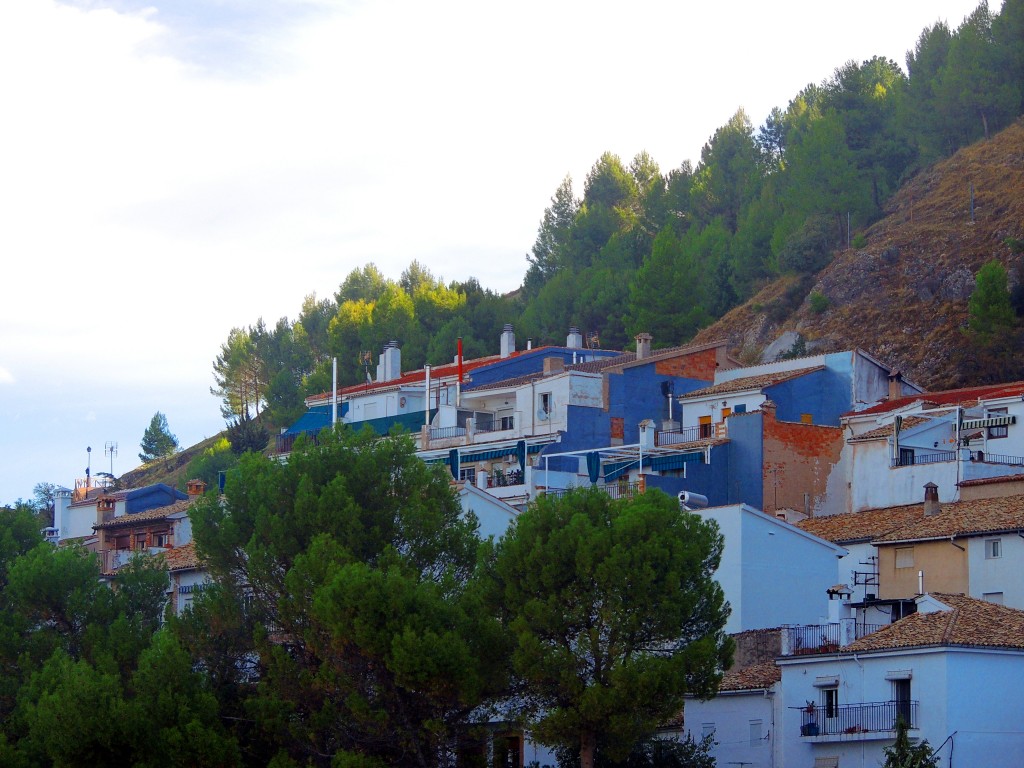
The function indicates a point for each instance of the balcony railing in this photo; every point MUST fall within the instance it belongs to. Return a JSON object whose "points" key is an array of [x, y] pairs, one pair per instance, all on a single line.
{"points": [[444, 433], [683, 435], [615, 490], [997, 458], [852, 719], [910, 460], [285, 443], [503, 479], [823, 638]]}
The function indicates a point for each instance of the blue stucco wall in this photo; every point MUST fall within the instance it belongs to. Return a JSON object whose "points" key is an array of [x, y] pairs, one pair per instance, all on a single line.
{"points": [[526, 363], [635, 395], [709, 480], [824, 394], [746, 459]]}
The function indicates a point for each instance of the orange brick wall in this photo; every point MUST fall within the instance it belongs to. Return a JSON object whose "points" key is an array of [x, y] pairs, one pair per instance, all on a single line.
{"points": [[698, 365], [797, 460]]}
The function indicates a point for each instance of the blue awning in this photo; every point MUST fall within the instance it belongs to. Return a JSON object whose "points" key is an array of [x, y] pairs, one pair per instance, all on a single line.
{"points": [[675, 461]]}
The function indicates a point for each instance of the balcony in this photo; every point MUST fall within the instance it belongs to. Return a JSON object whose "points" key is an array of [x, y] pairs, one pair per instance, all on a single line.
{"points": [[910, 458], [823, 638], [683, 435], [615, 490], [875, 720]]}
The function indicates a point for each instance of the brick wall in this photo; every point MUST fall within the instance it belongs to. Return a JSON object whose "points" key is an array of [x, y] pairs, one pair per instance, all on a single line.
{"points": [[697, 365], [797, 460]]}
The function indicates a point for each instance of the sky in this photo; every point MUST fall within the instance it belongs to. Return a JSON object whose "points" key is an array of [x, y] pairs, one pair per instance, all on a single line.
{"points": [[171, 170]]}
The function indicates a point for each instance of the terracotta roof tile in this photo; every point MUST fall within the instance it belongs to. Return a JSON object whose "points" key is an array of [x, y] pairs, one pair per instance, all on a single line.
{"points": [[885, 430], [991, 480], [970, 622], [158, 513], [948, 397], [752, 382], [182, 558], [964, 518], [752, 677], [862, 526]]}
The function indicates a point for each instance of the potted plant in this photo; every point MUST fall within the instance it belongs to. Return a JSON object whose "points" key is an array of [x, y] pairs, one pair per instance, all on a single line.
{"points": [[810, 724]]}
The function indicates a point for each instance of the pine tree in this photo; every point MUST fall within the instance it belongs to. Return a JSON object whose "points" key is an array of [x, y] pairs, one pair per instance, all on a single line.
{"points": [[157, 440]]}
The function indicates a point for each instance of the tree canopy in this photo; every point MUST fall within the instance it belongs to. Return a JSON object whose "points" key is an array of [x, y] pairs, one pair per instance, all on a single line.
{"points": [[615, 615], [157, 440]]}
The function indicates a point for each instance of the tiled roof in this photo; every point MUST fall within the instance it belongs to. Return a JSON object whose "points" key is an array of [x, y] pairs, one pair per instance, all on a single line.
{"points": [[970, 622], [949, 397], [885, 430], [964, 518], [752, 677], [752, 382], [158, 513], [861, 526], [991, 480], [182, 558], [516, 381]]}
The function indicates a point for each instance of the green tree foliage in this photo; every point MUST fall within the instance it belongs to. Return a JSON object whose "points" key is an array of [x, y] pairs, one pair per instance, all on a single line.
{"points": [[652, 753], [989, 310], [157, 440], [208, 465], [729, 174], [246, 434], [358, 555], [905, 754], [239, 374], [615, 616]]}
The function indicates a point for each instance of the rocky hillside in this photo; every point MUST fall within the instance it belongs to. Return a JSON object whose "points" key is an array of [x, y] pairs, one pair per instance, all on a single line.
{"points": [[903, 296]]}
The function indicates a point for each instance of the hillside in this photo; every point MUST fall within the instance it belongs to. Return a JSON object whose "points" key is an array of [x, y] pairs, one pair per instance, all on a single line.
{"points": [[903, 297]]}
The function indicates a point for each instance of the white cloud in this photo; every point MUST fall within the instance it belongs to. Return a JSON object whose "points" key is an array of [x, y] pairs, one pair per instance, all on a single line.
{"points": [[6, 377]]}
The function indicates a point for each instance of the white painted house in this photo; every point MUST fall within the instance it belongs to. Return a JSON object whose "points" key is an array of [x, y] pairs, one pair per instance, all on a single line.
{"points": [[771, 572], [953, 670]]}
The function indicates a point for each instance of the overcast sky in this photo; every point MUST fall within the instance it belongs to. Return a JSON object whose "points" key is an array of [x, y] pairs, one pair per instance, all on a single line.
{"points": [[169, 170]]}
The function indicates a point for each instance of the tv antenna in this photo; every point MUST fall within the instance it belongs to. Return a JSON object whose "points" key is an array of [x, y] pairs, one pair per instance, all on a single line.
{"points": [[110, 449], [366, 357]]}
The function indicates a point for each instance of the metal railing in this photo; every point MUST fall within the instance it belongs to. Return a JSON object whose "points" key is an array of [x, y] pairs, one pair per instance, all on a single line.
{"points": [[923, 458], [503, 479], [850, 719], [615, 490], [443, 433], [824, 638], [682, 435], [285, 443], [494, 423], [997, 458]]}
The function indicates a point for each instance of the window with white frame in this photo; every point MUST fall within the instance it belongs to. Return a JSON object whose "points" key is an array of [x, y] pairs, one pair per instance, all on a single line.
{"points": [[993, 548], [993, 597], [756, 729], [998, 431], [904, 557], [707, 729], [830, 701]]}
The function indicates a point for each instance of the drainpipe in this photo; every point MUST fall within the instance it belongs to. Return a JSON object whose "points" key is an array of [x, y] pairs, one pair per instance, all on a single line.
{"points": [[458, 384], [426, 399], [334, 391]]}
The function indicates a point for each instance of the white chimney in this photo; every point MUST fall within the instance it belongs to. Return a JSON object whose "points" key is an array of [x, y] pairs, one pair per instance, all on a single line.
{"points": [[390, 365], [575, 339], [508, 341], [931, 499], [643, 345]]}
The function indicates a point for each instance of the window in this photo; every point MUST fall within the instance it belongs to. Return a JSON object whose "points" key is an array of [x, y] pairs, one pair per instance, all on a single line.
{"points": [[707, 729], [993, 548], [904, 557], [468, 474], [826, 762], [806, 418], [706, 428], [545, 402], [993, 597], [506, 420], [901, 696], [740, 408], [906, 457], [830, 701], [755, 733], [140, 541], [1000, 431]]}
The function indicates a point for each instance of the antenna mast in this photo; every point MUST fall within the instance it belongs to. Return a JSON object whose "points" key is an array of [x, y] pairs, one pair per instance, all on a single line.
{"points": [[110, 449]]}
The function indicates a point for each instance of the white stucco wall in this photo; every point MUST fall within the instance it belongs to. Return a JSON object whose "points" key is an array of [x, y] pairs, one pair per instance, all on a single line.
{"points": [[77, 521], [732, 715], [972, 692], [875, 484], [771, 572], [1002, 574]]}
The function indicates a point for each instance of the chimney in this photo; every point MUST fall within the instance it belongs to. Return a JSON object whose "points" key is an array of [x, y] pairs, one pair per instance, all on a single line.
{"points": [[390, 365], [895, 385], [643, 345], [575, 339], [508, 341], [195, 487], [553, 365], [931, 499]]}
